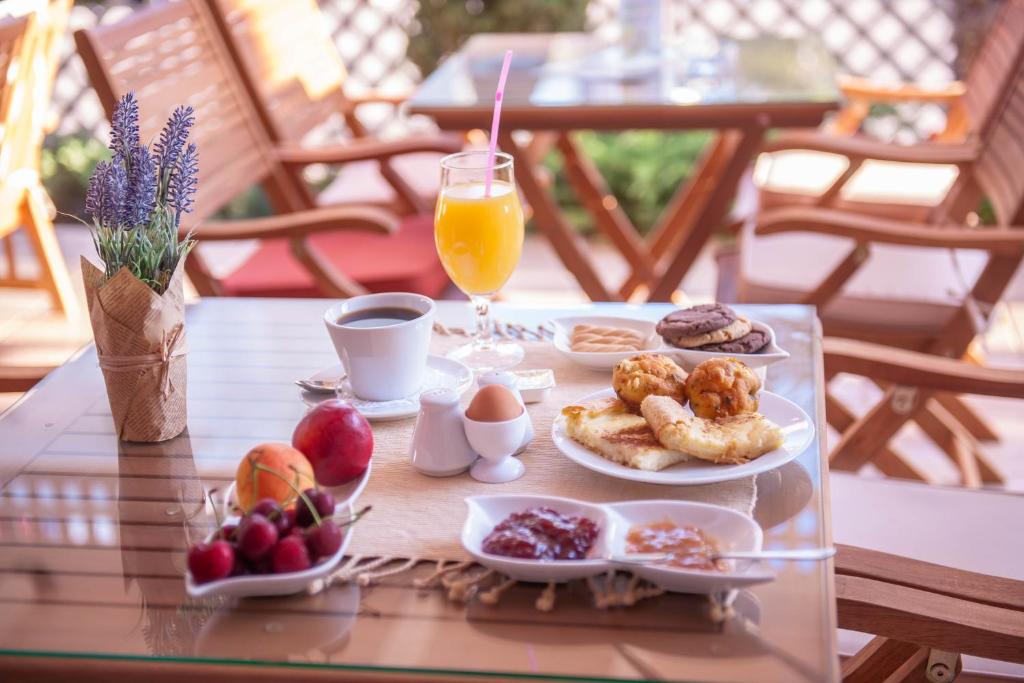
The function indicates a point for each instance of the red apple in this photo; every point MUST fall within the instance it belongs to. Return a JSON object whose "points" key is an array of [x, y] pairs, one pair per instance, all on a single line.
{"points": [[337, 441]]}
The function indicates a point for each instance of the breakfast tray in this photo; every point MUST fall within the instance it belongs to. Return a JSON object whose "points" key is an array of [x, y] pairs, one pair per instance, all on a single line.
{"points": [[416, 517]]}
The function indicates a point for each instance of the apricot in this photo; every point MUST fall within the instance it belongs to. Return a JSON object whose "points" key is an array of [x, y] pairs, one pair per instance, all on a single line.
{"points": [[253, 484]]}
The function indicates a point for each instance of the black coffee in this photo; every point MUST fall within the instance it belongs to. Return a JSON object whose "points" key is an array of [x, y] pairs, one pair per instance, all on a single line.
{"points": [[378, 317]]}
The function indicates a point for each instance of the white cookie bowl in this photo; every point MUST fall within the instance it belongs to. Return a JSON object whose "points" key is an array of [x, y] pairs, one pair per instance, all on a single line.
{"points": [[758, 362]]}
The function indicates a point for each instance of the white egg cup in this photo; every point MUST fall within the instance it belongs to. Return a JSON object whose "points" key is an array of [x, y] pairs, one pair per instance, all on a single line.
{"points": [[496, 442]]}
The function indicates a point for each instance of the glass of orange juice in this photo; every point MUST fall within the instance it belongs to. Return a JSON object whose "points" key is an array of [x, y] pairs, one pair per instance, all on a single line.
{"points": [[479, 238]]}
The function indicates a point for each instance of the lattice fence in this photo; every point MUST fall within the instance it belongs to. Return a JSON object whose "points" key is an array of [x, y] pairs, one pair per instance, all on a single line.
{"points": [[917, 40]]}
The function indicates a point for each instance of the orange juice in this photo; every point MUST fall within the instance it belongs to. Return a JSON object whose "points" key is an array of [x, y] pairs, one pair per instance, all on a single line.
{"points": [[479, 238]]}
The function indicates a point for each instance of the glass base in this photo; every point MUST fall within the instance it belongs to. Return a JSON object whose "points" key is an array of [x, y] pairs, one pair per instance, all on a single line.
{"points": [[488, 357]]}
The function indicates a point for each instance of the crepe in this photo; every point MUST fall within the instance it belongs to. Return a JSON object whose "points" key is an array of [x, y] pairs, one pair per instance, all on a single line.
{"points": [[729, 440], [608, 428]]}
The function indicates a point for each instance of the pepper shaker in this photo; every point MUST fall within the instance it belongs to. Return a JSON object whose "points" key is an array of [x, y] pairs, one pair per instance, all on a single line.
{"points": [[439, 446], [508, 380]]}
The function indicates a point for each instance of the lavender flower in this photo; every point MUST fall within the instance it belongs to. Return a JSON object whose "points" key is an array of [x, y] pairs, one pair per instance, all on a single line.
{"points": [[136, 199], [124, 133], [181, 186], [140, 195], [172, 139], [104, 200]]}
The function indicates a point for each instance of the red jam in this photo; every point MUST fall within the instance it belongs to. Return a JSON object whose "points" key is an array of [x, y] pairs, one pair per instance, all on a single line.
{"points": [[542, 534]]}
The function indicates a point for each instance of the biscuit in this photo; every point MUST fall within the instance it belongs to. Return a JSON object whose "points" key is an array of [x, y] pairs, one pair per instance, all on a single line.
{"points": [[589, 338], [696, 320], [738, 328], [752, 342]]}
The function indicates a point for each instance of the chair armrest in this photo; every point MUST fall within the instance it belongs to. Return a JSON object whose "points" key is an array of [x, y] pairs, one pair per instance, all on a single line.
{"points": [[929, 619], [860, 148], [1003, 241], [300, 224], [374, 97], [910, 368], [365, 149], [854, 87]]}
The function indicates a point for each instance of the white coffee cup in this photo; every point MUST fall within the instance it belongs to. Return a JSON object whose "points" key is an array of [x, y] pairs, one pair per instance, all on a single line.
{"points": [[385, 362]]}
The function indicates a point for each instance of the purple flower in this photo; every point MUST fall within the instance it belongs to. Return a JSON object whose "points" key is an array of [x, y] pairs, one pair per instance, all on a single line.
{"points": [[172, 139], [105, 199], [181, 187], [124, 128], [140, 195]]}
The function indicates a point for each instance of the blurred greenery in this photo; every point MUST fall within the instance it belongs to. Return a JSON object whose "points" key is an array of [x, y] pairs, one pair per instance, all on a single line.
{"points": [[66, 164], [441, 26]]}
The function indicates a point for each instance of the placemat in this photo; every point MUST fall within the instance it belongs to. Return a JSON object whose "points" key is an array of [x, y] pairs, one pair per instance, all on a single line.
{"points": [[416, 516]]}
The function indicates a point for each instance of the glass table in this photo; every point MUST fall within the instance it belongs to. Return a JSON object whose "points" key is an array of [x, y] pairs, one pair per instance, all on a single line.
{"points": [[93, 536], [565, 82]]}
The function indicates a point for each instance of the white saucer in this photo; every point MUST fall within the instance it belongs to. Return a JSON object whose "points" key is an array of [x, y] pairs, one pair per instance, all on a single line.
{"points": [[797, 427], [442, 373]]}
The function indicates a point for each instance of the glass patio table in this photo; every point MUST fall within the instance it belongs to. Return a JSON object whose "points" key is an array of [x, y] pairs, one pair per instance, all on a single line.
{"points": [[565, 82], [93, 536]]}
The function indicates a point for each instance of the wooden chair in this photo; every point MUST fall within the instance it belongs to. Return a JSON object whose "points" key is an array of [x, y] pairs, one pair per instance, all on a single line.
{"points": [[924, 286], [911, 381], [836, 169], [924, 617], [24, 204], [172, 54], [292, 69], [931, 567]]}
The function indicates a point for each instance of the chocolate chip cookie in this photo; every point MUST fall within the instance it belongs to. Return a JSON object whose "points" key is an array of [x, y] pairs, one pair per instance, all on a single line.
{"points": [[752, 342], [694, 321]]}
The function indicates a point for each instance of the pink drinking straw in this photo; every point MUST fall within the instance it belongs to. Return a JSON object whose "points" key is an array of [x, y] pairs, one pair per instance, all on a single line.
{"points": [[492, 148]]}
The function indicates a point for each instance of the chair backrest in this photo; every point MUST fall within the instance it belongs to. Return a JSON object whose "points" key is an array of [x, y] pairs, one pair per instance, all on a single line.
{"points": [[172, 54], [993, 67], [999, 169], [12, 40], [289, 61]]}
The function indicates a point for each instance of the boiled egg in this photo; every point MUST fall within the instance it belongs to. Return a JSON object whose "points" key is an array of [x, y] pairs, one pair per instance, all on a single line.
{"points": [[493, 403]]}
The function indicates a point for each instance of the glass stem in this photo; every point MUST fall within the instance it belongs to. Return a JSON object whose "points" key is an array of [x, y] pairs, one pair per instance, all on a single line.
{"points": [[484, 330]]}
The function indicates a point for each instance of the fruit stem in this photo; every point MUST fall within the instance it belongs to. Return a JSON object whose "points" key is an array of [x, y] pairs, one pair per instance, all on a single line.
{"points": [[354, 518], [293, 487]]}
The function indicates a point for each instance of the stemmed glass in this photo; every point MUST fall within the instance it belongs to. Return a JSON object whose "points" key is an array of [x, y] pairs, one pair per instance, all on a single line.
{"points": [[479, 238]]}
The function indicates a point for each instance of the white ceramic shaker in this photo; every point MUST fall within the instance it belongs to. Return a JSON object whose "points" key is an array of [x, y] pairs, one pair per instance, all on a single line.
{"points": [[439, 446], [508, 380]]}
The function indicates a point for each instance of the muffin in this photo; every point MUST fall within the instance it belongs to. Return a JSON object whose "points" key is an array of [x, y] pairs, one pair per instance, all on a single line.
{"points": [[721, 387], [638, 377]]}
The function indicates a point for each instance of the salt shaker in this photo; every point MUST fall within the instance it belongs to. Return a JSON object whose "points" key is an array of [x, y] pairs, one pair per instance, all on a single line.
{"points": [[439, 446], [508, 380]]}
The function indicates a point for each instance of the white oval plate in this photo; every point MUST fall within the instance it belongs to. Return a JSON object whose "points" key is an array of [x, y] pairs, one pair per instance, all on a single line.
{"points": [[604, 360], [256, 585], [795, 423], [730, 529], [687, 358], [441, 373]]}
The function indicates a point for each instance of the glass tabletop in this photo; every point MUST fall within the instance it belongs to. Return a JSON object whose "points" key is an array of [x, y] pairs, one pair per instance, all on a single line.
{"points": [[93, 536], [575, 70]]}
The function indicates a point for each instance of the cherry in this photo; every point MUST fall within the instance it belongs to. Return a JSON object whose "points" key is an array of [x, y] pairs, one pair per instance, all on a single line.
{"points": [[241, 567], [227, 532], [290, 555], [272, 510], [324, 540], [321, 500], [256, 536], [210, 561]]}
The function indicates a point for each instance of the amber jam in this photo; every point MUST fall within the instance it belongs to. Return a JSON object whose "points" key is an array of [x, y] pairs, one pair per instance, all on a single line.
{"points": [[542, 534], [687, 546]]}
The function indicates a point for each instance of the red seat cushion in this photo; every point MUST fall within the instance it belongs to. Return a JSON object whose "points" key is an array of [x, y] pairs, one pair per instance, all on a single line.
{"points": [[403, 262]]}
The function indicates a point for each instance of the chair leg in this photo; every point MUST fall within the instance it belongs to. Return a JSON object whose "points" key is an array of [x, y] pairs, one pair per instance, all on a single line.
{"points": [[967, 452], [882, 660], [966, 416], [43, 237], [891, 463], [861, 443]]}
